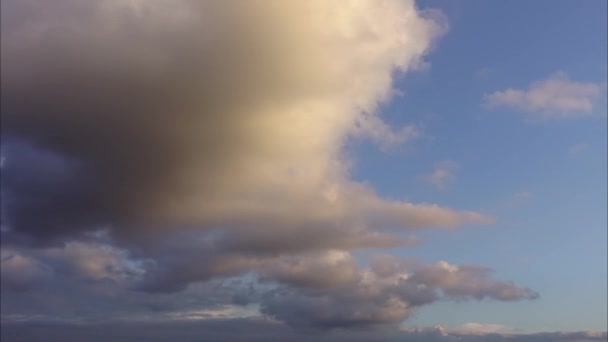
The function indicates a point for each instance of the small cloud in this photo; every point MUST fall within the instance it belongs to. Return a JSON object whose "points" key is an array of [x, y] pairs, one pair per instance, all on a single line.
{"points": [[474, 328], [483, 73], [520, 198], [556, 97], [577, 149], [442, 175], [523, 196]]}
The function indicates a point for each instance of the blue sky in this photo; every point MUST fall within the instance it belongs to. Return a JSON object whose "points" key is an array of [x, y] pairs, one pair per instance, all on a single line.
{"points": [[426, 170], [545, 182]]}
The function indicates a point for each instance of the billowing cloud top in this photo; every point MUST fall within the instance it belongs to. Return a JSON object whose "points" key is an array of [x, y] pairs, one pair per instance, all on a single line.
{"points": [[177, 142], [206, 114]]}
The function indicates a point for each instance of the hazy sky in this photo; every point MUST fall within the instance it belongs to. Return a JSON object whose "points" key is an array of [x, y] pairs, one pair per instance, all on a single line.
{"points": [[348, 170]]}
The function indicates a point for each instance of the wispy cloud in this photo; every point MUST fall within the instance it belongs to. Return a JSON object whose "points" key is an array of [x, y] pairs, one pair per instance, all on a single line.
{"points": [[442, 175], [371, 127], [577, 149], [483, 328], [483, 73], [556, 97], [521, 197]]}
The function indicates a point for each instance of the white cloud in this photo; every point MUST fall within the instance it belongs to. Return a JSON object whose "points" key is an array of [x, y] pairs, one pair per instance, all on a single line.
{"points": [[373, 128], [556, 97], [482, 328], [244, 125], [220, 312]]}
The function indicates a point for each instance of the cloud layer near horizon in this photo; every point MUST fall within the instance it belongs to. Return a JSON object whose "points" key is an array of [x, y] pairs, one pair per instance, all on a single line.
{"points": [[253, 330], [164, 144]]}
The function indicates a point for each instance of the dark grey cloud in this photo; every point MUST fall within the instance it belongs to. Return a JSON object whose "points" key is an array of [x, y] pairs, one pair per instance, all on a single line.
{"points": [[92, 282]]}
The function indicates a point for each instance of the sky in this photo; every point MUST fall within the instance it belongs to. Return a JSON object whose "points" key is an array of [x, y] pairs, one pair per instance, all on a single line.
{"points": [[284, 170]]}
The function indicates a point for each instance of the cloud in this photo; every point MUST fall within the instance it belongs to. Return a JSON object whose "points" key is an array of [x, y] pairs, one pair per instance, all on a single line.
{"points": [[482, 328], [439, 333], [442, 175], [76, 262], [21, 273], [379, 295], [483, 73], [178, 158], [253, 330], [520, 198], [577, 149], [90, 261], [171, 117], [207, 130], [556, 97], [523, 196], [327, 269], [463, 281], [318, 291], [373, 128]]}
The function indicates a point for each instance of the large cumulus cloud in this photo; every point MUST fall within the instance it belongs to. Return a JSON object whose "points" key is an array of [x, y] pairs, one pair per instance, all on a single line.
{"points": [[213, 114], [152, 145]]}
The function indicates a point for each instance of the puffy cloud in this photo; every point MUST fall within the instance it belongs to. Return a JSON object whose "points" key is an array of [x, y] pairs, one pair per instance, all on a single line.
{"points": [[556, 97], [206, 139], [201, 113], [218, 128], [90, 282], [386, 293], [320, 290], [229, 119], [327, 269]]}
